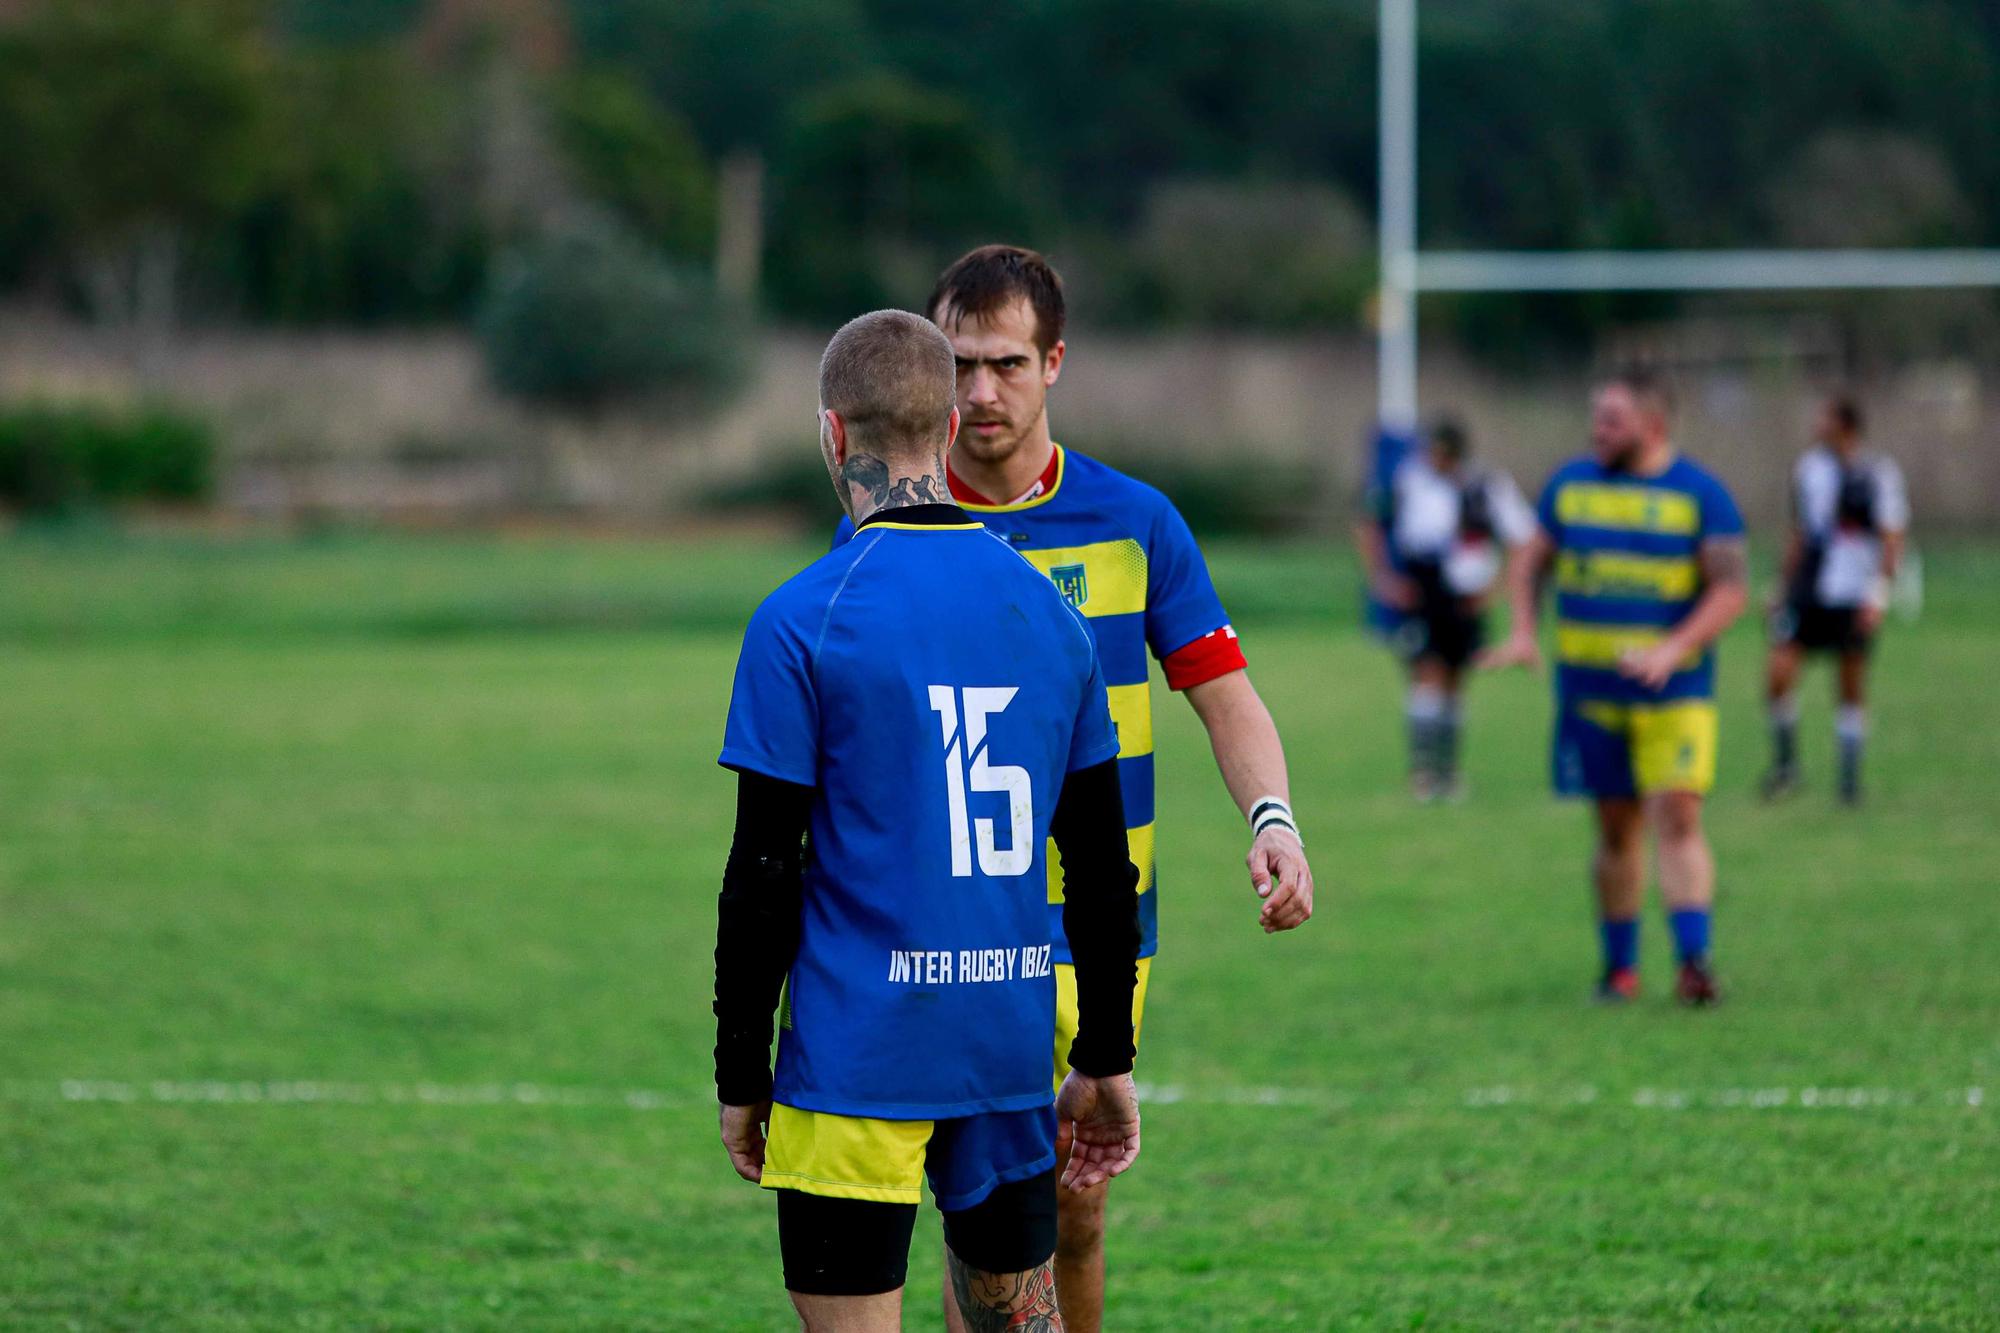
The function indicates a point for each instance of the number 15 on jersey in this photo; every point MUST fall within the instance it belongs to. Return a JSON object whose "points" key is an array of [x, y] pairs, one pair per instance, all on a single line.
{"points": [[965, 767]]}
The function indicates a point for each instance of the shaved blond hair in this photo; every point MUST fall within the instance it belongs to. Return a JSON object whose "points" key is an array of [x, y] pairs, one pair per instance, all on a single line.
{"points": [[891, 377]]}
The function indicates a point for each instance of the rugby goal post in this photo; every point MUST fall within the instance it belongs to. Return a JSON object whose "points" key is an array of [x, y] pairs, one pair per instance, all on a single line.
{"points": [[1407, 272]]}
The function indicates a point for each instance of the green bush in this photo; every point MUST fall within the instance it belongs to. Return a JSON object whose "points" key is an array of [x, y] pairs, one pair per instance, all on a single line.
{"points": [[55, 458], [589, 317]]}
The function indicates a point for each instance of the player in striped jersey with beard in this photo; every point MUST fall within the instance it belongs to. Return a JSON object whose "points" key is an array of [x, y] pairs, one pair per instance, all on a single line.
{"points": [[1648, 555], [1123, 556]]}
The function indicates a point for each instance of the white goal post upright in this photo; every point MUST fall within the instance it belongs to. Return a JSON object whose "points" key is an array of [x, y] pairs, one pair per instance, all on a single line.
{"points": [[1408, 272], [1396, 227]]}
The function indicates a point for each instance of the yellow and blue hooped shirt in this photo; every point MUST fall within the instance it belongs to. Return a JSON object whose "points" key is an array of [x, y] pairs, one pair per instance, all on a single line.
{"points": [[1628, 569], [1122, 555]]}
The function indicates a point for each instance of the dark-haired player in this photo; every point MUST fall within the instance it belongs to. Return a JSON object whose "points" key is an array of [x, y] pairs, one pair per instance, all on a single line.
{"points": [[1648, 554], [922, 713], [1123, 557], [1850, 512], [1433, 547]]}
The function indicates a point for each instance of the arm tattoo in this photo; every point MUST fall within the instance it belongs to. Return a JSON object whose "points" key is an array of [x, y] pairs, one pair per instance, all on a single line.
{"points": [[869, 473], [998, 1302], [1723, 562]]}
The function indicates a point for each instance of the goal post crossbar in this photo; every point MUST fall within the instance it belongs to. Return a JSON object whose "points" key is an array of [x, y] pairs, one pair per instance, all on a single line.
{"points": [[1694, 270]]}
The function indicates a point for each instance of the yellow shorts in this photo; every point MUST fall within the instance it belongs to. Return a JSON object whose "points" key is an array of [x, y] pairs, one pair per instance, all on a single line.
{"points": [[1066, 1011], [855, 1157], [1616, 750]]}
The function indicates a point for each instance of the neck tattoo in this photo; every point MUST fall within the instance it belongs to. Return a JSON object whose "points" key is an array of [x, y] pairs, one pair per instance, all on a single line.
{"points": [[872, 488]]}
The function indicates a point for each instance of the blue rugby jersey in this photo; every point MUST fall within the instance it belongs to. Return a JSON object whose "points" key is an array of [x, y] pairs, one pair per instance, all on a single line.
{"points": [[1628, 569], [934, 690], [1122, 555]]}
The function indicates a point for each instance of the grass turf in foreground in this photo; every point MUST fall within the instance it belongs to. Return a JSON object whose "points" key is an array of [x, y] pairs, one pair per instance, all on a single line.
{"points": [[315, 835]]}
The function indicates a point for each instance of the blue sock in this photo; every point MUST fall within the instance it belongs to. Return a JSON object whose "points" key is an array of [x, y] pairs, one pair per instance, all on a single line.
{"points": [[1621, 944], [1690, 933]]}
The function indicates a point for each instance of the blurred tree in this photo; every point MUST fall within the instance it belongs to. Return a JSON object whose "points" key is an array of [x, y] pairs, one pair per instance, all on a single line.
{"points": [[736, 70], [588, 317], [638, 159], [131, 125], [498, 58], [346, 225], [1873, 188], [1115, 94], [1257, 253], [879, 184], [367, 21], [887, 125], [1866, 189]]}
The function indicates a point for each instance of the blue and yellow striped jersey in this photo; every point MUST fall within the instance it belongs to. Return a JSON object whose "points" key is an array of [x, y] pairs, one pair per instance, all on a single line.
{"points": [[1122, 555], [1627, 570]]}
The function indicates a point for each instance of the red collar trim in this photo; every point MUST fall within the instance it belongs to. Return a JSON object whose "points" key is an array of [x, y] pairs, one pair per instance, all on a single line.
{"points": [[1045, 483]]}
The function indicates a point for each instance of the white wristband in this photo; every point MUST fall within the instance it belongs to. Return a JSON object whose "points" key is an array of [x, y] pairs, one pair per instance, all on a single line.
{"points": [[1267, 811]]}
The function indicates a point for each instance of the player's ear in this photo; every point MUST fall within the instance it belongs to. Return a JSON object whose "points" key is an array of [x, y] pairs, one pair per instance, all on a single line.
{"points": [[951, 429], [836, 434], [1052, 364]]}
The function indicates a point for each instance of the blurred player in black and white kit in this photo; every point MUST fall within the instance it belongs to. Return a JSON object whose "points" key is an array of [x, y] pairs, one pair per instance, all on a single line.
{"points": [[1850, 514], [1434, 553]]}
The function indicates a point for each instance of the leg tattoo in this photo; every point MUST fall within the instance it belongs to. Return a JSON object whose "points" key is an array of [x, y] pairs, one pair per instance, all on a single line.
{"points": [[997, 1302]]}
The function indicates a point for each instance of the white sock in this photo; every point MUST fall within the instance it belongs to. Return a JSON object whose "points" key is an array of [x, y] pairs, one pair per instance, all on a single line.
{"points": [[1850, 724]]}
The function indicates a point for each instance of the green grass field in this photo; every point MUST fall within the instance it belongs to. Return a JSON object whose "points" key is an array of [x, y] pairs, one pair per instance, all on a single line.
{"points": [[355, 929]]}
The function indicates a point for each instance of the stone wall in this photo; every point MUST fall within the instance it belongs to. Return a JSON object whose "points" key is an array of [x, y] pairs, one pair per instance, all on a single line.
{"points": [[404, 424]]}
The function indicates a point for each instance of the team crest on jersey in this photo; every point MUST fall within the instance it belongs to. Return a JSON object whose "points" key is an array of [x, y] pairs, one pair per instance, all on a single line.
{"points": [[1072, 583]]}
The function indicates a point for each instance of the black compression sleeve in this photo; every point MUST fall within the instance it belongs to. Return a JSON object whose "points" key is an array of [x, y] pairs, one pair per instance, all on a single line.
{"points": [[1100, 917], [757, 931]]}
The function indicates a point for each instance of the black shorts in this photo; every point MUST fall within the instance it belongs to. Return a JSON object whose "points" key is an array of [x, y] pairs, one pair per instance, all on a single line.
{"points": [[1442, 627], [858, 1247], [1819, 628]]}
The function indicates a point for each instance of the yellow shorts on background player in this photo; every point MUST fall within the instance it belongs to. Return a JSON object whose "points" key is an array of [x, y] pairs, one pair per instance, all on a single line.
{"points": [[1066, 1011]]}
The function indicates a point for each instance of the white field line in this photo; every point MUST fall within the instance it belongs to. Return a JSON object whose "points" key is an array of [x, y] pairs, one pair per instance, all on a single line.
{"points": [[318, 1092]]}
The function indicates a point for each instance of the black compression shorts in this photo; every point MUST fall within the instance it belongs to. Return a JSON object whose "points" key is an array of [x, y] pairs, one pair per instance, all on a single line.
{"points": [[858, 1247], [1817, 627]]}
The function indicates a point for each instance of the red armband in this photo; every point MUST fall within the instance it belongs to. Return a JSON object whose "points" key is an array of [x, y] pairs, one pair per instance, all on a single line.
{"points": [[1212, 655]]}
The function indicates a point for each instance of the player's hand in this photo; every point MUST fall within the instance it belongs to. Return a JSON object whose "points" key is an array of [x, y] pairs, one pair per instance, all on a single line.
{"points": [[1395, 591], [1520, 650], [743, 1138], [1868, 618], [1652, 667], [1279, 873], [1097, 1127]]}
